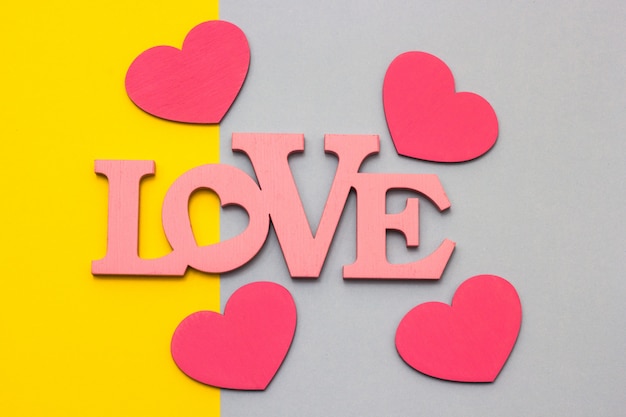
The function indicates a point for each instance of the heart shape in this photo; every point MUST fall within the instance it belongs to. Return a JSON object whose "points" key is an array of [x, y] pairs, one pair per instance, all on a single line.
{"points": [[243, 348], [427, 120], [467, 342], [197, 84]]}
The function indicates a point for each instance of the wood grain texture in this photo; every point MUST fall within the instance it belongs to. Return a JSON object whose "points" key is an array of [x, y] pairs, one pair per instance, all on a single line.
{"points": [[243, 348], [468, 341], [427, 119], [196, 84]]}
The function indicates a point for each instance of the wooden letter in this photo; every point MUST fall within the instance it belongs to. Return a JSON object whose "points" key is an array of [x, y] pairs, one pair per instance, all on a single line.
{"points": [[123, 224], [233, 186], [304, 252], [373, 223]]}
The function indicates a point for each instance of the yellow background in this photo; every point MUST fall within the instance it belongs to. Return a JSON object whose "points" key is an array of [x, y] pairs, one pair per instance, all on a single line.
{"points": [[73, 344]]}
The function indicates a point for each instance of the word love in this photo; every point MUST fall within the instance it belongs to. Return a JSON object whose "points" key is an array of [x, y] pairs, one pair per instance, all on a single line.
{"points": [[275, 198]]}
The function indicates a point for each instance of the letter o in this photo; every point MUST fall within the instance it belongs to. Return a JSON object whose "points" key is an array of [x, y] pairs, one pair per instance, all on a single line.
{"points": [[234, 187]]}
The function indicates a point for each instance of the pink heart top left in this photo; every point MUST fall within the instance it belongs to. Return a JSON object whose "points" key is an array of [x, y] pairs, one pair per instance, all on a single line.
{"points": [[196, 84]]}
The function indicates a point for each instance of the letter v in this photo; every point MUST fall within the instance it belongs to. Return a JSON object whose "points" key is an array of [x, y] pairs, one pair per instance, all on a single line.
{"points": [[304, 253]]}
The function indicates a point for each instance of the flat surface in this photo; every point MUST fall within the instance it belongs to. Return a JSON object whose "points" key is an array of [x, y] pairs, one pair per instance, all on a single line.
{"points": [[543, 208], [72, 344]]}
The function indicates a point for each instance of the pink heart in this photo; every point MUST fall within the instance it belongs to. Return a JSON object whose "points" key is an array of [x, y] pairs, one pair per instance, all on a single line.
{"points": [[243, 348], [467, 342], [197, 84], [427, 119]]}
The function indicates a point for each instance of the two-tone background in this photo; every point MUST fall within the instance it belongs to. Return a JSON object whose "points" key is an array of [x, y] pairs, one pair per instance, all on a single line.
{"points": [[542, 209]]}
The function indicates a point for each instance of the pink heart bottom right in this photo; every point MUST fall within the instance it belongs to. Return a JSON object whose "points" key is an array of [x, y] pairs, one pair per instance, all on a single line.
{"points": [[468, 341]]}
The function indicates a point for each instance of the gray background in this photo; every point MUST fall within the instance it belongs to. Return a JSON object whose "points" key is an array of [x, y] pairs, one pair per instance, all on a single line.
{"points": [[542, 209]]}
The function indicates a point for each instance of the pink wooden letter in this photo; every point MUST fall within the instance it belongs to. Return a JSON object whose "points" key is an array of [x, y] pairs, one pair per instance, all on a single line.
{"points": [[123, 224], [373, 223], [304, 252], [234, 187]]}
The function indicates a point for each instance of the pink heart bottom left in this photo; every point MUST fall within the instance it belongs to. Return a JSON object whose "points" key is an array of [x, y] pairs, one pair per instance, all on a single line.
{"points": [[243, 348]]}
